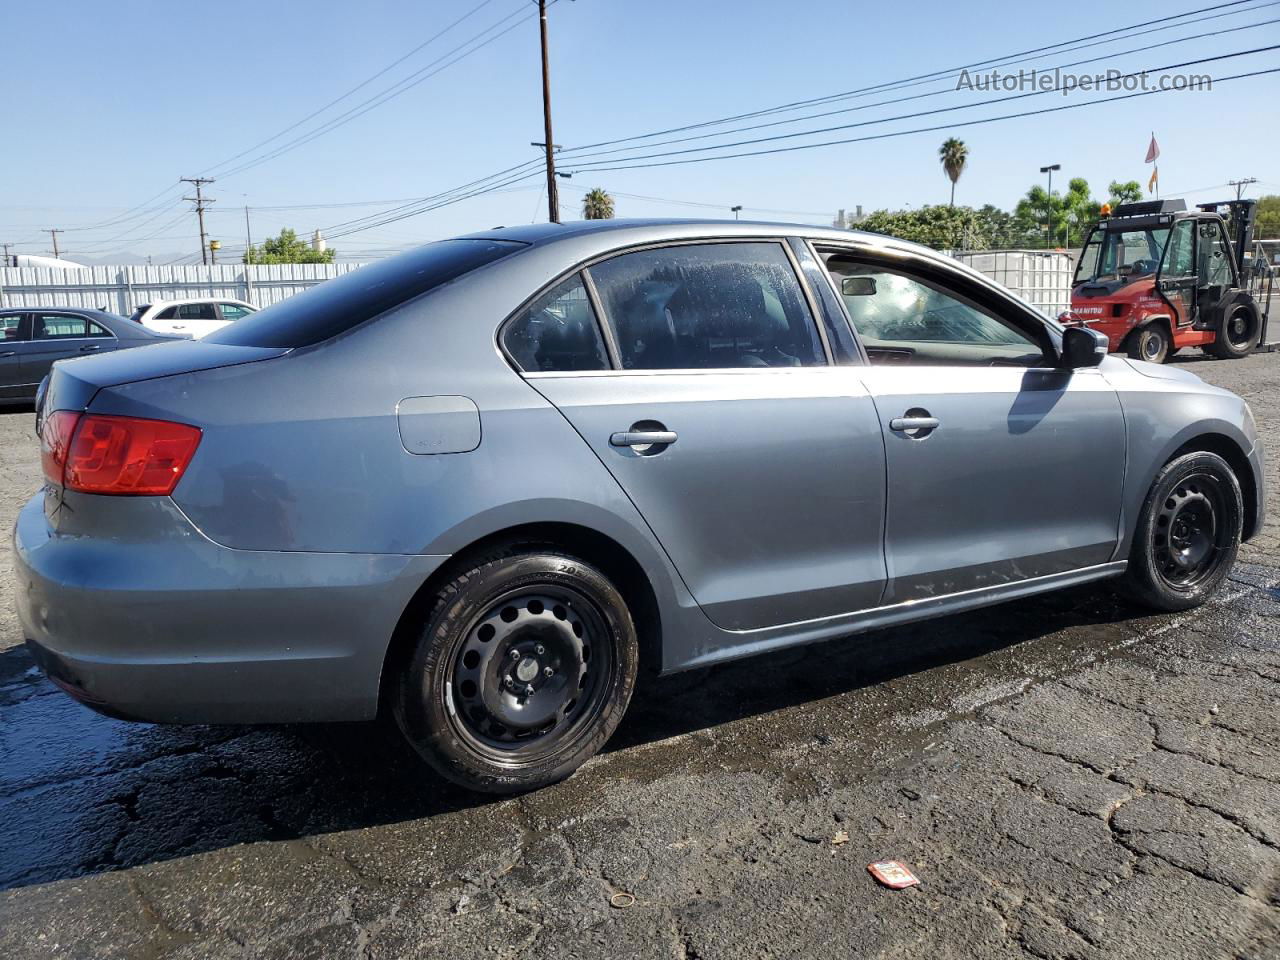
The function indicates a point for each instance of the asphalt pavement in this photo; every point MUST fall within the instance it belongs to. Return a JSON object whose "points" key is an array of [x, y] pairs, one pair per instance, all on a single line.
{"points": [[1069, 777]]}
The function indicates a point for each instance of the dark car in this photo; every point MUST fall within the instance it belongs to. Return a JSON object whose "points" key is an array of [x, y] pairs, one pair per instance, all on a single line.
{"points": [[34, 337]]}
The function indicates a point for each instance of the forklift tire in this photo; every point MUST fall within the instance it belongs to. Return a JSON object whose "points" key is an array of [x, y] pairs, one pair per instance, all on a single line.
{"points": [[1149, 343], [1238, 335]]}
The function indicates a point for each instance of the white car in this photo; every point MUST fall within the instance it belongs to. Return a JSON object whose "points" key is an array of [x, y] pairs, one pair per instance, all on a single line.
{"points": [[194, 317]]}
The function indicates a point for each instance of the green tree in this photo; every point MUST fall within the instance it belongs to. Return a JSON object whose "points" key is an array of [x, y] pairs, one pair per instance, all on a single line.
{"points": [[1130, 191], [287, 248], [954, 155], [1267, 226], [597, 205], [943, 228], [1068, 214]]}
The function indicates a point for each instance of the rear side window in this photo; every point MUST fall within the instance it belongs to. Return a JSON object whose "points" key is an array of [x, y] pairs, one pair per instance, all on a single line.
{"points": [[714, 305], [168, 313], [197, 311], [558, 333], [59, 326], [337, 305]]}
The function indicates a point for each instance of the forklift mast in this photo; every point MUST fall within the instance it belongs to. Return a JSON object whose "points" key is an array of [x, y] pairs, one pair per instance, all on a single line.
{"points": [[1240, 217]]}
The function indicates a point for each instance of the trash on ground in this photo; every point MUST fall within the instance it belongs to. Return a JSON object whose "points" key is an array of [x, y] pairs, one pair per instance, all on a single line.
{"points": [[841, 836], [894, 874], [620, 901]]}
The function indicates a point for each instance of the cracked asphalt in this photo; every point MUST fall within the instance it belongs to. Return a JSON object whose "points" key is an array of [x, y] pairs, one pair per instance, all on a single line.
{"points": [[1069, 777]]}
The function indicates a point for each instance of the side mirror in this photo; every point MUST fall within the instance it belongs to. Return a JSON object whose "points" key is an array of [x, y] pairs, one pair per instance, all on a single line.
{"points": [[1082, 347], [858, 286]]}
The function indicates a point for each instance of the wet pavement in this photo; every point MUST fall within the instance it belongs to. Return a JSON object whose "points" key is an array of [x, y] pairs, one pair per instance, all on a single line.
{"points": [[1068, 776]]}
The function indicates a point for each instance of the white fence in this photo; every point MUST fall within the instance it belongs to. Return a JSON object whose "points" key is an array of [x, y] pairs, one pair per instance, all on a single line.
{"points": [[1040, 277], [122, 289]]}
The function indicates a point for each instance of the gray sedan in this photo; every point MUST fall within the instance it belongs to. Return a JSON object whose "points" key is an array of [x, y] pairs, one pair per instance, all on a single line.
{"points": [[33, 338], [487, 482]]}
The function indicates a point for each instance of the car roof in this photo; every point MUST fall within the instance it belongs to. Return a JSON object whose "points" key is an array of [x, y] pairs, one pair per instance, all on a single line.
{"points": [[170, 303]]}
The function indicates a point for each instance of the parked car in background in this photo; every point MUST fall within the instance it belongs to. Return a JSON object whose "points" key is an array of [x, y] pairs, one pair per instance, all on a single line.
{"points": [[32, 338], [485, 482], [195, 317]]}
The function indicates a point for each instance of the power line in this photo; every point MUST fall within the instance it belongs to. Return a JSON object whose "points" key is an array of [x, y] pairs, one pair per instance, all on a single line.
{"points": [[359, 86], [919, 77], [377, 100], [571, 153], [848, 126]]}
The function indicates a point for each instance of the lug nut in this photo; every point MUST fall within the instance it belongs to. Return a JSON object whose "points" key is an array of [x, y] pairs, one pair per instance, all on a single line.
{"points": [[539, 649], [514, 654], [528, 690], [548, 672]]}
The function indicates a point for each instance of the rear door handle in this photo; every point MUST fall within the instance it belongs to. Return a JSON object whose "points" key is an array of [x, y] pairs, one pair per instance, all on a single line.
{"points": [[9, 353], [643, 438], [90, 347], [903, 424]]}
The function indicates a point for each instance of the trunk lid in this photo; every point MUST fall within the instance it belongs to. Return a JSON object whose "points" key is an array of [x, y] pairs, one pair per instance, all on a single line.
{"points": [[73, 383]]}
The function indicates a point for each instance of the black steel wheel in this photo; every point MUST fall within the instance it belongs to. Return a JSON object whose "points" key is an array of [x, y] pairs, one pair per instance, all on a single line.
{"points": [[1188, 533], [521, 672], [1150, 343]]}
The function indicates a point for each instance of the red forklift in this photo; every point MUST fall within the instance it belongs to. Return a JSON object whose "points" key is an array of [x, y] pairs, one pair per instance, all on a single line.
{"points": [[1156, 277]]}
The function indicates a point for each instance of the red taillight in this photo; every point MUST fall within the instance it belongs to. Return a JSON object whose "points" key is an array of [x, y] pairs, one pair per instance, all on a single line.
{"points": [[55, 438], [97, 453]]}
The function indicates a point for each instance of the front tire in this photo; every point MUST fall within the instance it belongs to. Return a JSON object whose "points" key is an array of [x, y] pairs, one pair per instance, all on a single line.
{"points": [[1188, 533], [521, 671], [1150, 343]]}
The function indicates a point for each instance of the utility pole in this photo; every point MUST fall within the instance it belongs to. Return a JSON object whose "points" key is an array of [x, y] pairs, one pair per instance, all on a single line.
{"points": [[736, 210], [201, 201], [7, 258], [1241, 184], [553, 194], [248, 240], [54, 235]]}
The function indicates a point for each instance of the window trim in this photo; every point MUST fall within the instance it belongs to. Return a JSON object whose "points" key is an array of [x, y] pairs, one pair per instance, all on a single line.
{"points": [[989, 297], [583, 267]]}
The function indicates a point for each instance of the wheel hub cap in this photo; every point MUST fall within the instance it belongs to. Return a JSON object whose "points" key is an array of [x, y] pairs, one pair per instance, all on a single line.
{"points": [[1187, 533], [524, 669]]}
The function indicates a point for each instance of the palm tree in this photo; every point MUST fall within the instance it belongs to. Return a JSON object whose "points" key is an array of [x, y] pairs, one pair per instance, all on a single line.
{"points": [[597, 205], [953, 154]]}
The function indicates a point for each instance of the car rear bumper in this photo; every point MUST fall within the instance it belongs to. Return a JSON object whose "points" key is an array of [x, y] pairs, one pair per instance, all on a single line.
{"points": [[178, 629]]}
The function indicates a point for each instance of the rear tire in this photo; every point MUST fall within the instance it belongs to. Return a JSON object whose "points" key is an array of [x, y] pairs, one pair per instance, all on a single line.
{"points": [[1150, 343], [1237, 336], [1188, 533], [521, 671]]}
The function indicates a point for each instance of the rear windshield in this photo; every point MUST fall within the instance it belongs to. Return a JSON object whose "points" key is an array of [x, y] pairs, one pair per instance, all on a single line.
{"points": [[344, 302]]}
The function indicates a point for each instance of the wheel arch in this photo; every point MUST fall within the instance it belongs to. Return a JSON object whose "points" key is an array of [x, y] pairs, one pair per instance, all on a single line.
{"points": [[611, 557], [1146, 321]]}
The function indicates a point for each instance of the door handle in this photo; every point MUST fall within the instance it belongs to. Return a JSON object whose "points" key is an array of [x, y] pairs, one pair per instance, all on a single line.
{"points": [[9, 353], [903, 424], [90, 347], [643, 438]]}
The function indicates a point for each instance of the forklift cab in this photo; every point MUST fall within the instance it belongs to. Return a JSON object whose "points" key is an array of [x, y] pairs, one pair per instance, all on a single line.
{"points": [[1198, 275]]}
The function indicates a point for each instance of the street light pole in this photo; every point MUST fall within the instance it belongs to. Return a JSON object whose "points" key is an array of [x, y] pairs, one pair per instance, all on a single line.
{"points": [[1048, 209], [553, 194], [736, 210]]}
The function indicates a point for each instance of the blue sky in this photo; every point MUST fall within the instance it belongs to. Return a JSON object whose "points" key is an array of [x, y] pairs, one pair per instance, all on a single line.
{"points": [[107, 104]]}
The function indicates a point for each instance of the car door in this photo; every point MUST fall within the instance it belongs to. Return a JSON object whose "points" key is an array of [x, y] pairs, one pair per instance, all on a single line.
{"points": [[57, 336], [15, 330], [1000, 467], [1176, 278], [757, 464], [196, 319]]}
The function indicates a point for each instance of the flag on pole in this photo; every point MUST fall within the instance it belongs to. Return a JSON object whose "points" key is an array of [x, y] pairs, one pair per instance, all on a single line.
{"points": [[1154, 182], [1153, 151]]}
